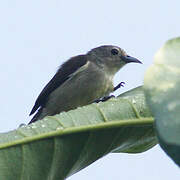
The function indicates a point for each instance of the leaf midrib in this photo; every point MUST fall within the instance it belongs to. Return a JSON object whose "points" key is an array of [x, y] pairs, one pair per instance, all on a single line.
{"points": [[73, 130]]}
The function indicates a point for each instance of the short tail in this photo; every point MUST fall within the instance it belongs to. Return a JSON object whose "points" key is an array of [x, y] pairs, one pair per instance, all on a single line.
{"points": [[36, 116]]}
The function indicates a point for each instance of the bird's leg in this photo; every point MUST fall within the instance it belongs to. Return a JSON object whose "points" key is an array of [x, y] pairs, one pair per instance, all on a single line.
{"points": [[121, 84]]}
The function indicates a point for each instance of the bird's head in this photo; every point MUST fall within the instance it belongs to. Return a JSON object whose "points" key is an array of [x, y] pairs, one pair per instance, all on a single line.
{"points": [[112, 58]]}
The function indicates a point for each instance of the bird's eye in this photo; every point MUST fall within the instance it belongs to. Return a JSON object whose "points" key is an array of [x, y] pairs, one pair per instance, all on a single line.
{"points": [[114, 51]]}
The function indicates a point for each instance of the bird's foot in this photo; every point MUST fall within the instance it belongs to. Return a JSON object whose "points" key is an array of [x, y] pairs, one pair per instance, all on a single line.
{"points": [[104, 99], [121, 84]]}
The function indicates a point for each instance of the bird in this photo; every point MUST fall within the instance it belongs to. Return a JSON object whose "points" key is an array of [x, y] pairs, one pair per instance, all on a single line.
{"points": [[81, 80]]}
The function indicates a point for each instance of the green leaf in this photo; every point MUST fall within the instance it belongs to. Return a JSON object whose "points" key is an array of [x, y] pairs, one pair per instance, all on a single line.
{"points": [[162, 87], [59, 146]]}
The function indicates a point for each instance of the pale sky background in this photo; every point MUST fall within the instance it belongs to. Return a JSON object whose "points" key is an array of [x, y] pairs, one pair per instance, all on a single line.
{"points": [[37, 36]]}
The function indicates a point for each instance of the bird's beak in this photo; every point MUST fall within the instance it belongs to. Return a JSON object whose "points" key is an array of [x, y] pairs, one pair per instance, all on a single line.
{"points": [[129, 59]]}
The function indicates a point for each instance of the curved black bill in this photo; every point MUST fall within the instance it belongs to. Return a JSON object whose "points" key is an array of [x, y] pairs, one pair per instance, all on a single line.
{"points": [[129, 59]]}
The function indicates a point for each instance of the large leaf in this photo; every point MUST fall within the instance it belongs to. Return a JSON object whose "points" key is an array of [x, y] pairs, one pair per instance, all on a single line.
{"points": [[59, 146], [162, 86]]}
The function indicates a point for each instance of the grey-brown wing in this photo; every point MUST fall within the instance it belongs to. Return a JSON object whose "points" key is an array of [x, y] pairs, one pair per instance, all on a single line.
{"points": [[63, 73]]}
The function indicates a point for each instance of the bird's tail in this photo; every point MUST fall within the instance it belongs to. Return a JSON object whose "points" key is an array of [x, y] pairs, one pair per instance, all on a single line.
{"points": [[36, 116]]}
